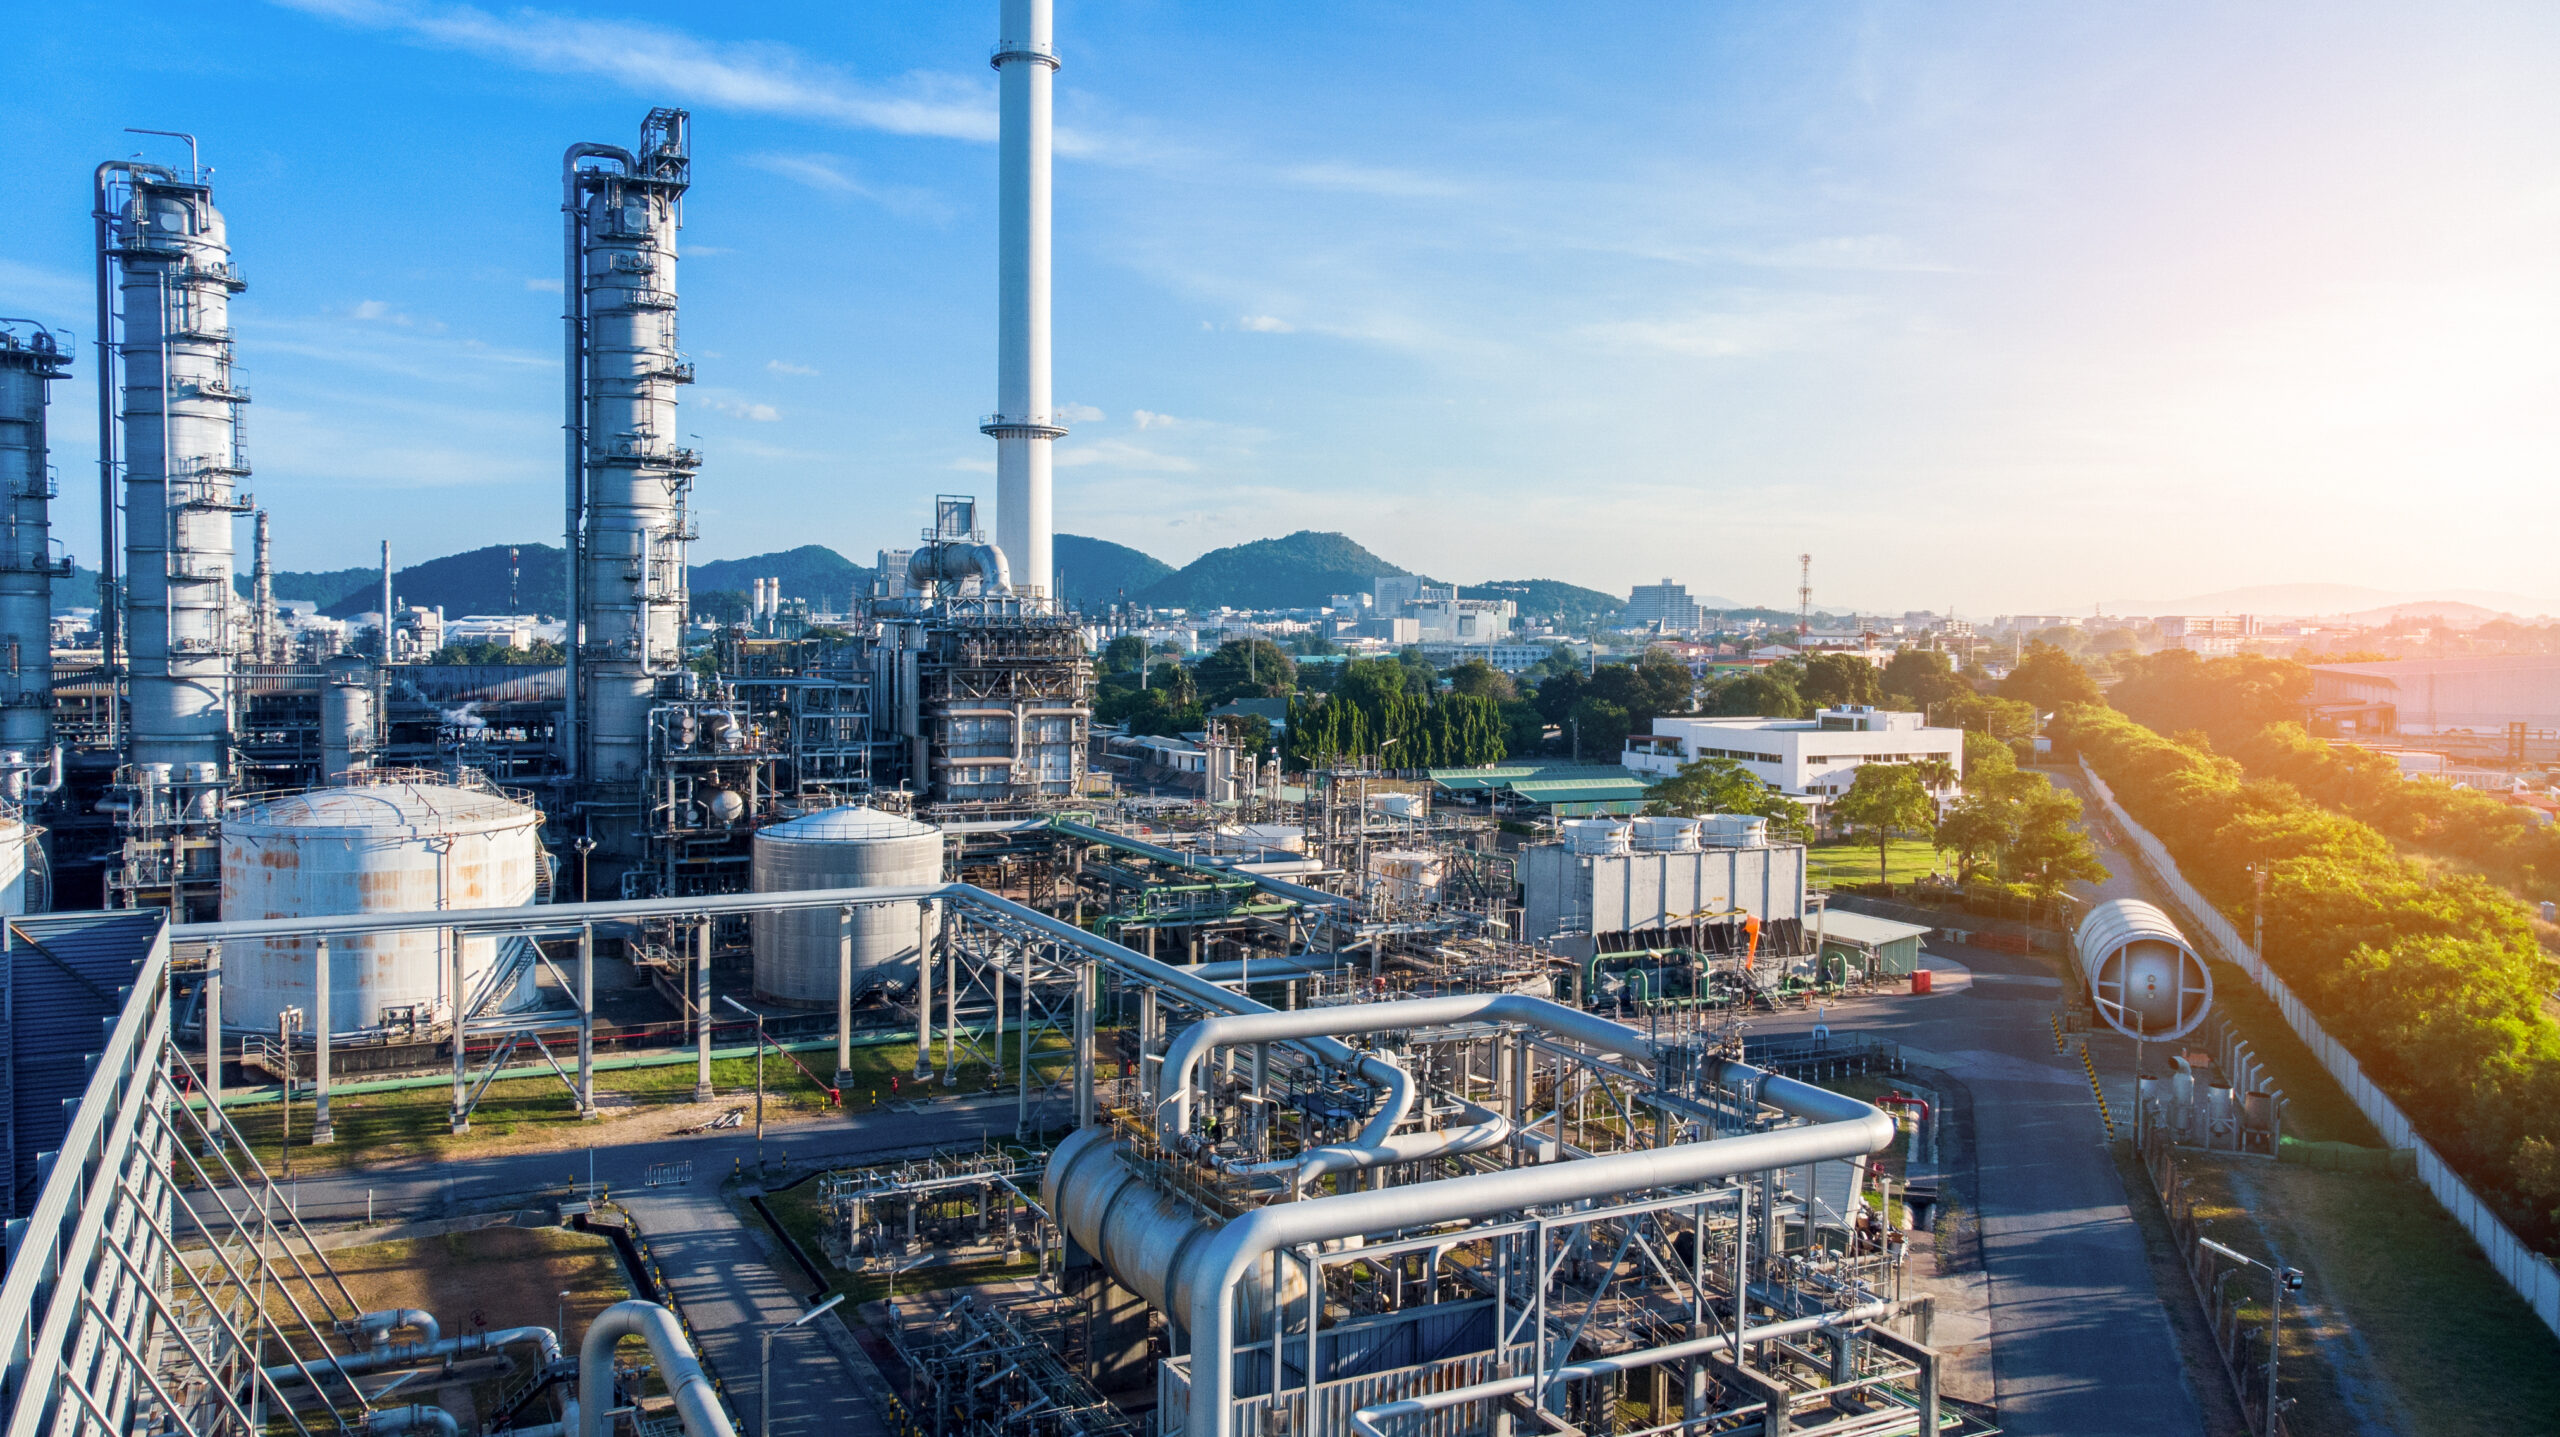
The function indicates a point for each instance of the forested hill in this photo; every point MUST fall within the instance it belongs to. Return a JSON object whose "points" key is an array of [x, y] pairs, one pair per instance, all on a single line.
{"points": [[1094, 574], [1299, 571], [1568, 604]]}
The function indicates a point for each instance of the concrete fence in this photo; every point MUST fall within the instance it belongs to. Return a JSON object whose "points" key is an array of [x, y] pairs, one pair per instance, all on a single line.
{"points": [[2528, 1272]]}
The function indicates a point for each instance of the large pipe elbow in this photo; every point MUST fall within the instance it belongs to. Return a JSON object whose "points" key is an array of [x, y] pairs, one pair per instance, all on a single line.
{"points": [[383, 1421], [378, 1326], [697, 1403]]}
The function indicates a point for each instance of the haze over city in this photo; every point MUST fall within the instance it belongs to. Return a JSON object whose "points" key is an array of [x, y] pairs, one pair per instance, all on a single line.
{"points": [[2112, 303]]}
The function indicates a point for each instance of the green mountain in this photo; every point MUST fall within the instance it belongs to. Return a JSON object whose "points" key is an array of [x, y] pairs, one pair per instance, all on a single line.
{"points": [[813, 572], [1300, 571], [481, 581], [1569, 604], [1093, 574]]}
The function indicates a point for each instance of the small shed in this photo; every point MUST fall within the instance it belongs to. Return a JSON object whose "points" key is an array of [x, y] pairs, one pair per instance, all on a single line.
{"points": [[1883, 947]]}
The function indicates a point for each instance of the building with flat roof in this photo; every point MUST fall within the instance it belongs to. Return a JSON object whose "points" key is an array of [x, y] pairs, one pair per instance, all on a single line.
{"points": [[1810, 760], [1666, 606], [2479, 695]]}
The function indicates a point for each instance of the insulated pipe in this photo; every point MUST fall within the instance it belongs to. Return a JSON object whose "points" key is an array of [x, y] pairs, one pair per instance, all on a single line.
{"points": [[1843, 1127], [380, 1325], [696, 1403], [1486, 1129], [1195, 1042], [387, 1420], [1296, 892], [1365, 1420], [383, 1355]]}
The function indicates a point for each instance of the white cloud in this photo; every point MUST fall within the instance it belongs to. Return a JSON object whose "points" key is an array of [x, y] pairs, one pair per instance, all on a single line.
{"points": [[1149, 419], [1372, 180], [783, 367], [661, 62], [543, 286], [1121, 454], [744, 409], [1082, 414], [1741, 325], [1265, 324], [831, 174]]}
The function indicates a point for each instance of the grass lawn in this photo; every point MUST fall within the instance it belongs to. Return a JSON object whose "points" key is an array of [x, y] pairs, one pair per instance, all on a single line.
{"points": [[2402, 1314], [415, 1123], [1906, 859]]}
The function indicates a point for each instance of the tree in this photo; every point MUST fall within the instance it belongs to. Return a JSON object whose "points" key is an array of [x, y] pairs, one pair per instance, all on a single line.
{"points": [[1597, 728], [1977, 829], [1246, 668], [1921, 679], [1124, 654], [1720, 785], [1559, 660], [1840, 680], [1984, 714], [1483, 680], [2050, 851], [2049, 678], [1524, 729], [1765, 693], [1884, 799]]}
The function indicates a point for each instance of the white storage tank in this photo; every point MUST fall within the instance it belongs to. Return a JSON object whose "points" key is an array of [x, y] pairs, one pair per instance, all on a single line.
{"points": [[1397, 805], [1595, 835], [2145, 979], [1257, 838], [1665, 835], [385, 843], [840, 848], [1732, 830]]}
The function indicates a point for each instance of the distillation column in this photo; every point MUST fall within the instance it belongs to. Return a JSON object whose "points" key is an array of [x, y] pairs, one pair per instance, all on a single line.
{"points": [[630, 478], [182, 456], [1025, 423], [263, 635], [29, 364]]}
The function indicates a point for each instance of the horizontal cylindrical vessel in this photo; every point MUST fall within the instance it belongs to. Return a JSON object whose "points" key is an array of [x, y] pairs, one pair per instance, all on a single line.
{"points": [[796, 953], [1143, 1235], [14, 839], [2145, 979], [387, 845]]}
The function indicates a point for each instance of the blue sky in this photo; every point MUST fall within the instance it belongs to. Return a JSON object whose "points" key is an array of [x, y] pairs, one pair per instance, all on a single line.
{"points": [[2010, 308]]}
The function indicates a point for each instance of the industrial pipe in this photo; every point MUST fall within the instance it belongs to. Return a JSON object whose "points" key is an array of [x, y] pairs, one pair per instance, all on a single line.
{"points": [[1843, 1127], [940, 564], [1365, 1420], [2145, 979], [383, 1421], [696, 1403], [380, 1325], [386, 1355], [1193, 1043], [1485, 1129]]}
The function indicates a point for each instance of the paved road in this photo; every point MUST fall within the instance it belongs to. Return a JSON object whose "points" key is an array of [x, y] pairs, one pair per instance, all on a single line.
{"points": [[2080, 1345], [729, 1290]]}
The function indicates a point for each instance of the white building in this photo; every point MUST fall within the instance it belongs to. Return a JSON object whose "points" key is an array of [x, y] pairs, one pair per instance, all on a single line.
{"points": [[1810, 760], [1509, 658], [1462, 621], [1666, 606]]}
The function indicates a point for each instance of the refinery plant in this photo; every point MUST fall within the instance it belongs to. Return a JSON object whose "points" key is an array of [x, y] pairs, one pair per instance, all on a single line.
{"points": [[1328, 1102]]}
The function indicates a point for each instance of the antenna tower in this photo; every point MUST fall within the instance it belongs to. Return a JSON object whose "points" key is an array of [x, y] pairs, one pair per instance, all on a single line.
{"points": [[1804, 597]]}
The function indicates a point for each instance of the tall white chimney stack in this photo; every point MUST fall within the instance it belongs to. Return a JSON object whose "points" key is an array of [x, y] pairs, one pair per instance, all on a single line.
{"points": [[1025, 422]]}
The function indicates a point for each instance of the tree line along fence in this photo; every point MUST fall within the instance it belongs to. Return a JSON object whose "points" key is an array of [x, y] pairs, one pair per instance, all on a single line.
{"points": [[2532, 1275]]}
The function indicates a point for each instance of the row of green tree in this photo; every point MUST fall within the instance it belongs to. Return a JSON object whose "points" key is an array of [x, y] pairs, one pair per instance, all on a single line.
{"points": [[1375, 712], [2432, 979]]}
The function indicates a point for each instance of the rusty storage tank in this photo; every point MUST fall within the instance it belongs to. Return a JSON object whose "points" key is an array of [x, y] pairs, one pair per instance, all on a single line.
{"points": [[856, 847], [382, 842]]}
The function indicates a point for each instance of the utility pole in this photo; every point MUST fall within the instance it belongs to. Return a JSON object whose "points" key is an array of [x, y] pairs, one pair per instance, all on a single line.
{"points": [[2282, 1279]]}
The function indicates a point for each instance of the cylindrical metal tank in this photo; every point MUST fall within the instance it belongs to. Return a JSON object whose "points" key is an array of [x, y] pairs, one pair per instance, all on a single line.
{"points": [[346, 717], [14, 838], [1732, 830], [29, 363], [1257, 838], [840, 848], [1664, 835], [183, 459], [1595, 835], [1398, 805], [2144, 978], [1144, 1236], [384, 845]]}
